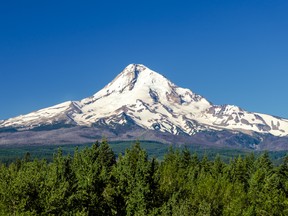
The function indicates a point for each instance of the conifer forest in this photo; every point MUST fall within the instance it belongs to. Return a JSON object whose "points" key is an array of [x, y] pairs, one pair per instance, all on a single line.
{"points": [[93, 181]]}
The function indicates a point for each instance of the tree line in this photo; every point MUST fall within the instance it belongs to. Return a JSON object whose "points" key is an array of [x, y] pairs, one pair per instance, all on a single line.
{"points": [[94, 182]]}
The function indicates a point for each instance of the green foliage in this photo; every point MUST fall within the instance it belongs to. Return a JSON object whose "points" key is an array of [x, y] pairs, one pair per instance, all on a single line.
{"points": [[93, 182]]}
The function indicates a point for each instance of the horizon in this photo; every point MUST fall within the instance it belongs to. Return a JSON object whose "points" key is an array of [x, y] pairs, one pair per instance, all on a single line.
{"points": [[229, 53]]}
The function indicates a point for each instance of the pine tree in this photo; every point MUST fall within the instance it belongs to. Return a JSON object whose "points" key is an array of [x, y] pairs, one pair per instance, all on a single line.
{"points": [[133, 183], [59, 185], [92, 168]]}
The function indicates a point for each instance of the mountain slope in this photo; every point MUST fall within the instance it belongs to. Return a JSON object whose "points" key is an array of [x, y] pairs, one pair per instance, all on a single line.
{"points": [[142, 98]]}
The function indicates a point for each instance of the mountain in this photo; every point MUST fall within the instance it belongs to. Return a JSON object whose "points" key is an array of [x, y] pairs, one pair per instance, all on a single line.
{"points": [[142, 104]]}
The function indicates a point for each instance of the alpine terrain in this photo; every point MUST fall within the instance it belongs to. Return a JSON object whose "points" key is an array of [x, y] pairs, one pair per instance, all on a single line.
{"points": [[141, 104]]}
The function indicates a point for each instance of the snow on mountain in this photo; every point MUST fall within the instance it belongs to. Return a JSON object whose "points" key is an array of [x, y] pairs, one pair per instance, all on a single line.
{"points": [[143, 97]]}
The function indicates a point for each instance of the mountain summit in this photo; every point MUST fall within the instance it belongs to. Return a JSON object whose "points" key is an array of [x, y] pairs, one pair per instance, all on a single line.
{"points": [[127, 78], [141, 104]]}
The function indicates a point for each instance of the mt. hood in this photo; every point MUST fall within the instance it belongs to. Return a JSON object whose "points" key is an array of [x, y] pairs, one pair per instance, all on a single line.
{"points": [[142, 104]]}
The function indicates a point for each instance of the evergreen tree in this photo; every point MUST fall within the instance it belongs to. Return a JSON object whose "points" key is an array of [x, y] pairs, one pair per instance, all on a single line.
{"points": [[59, 185], [133, 174], [92, 168]]}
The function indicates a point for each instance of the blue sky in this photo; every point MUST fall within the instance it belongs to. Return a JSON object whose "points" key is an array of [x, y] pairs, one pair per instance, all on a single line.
{"points": [[231, 52]]}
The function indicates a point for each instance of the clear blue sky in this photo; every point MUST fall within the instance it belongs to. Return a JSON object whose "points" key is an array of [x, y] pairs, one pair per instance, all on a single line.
{"points": [[231, 52]]}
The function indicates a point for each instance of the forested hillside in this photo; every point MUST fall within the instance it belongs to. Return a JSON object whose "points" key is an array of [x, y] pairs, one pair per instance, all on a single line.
{"points": [[94, 182]]}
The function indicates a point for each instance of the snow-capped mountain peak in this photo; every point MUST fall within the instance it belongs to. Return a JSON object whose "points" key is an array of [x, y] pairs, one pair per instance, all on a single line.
{"points": [[143, 97], [126, 79], [135, 75]]}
